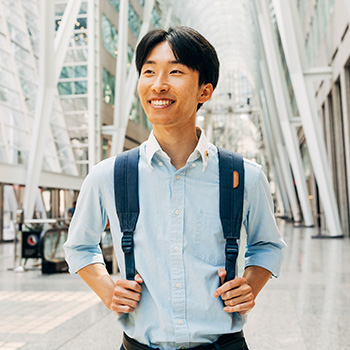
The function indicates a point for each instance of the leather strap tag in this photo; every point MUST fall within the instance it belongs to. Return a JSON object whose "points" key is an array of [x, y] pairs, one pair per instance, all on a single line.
{"points": [[235, 179]]}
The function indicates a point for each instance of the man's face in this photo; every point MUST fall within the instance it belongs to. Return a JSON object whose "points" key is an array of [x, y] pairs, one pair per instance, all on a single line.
{"points": [[169, 90]]}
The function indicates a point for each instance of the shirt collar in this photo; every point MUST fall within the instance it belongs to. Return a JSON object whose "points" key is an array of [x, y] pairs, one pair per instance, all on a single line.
{"points": [[202, 148]]}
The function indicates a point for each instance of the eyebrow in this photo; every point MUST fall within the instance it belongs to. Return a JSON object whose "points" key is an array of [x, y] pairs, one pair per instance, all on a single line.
{"points": [[170, 62]]}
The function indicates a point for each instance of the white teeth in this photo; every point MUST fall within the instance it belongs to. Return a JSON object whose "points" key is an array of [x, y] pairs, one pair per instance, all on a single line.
{"points": [[161, 102]]}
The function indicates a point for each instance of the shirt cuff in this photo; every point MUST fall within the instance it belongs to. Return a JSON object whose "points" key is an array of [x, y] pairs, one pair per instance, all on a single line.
{"points": [[269, 258], [79, 259]]}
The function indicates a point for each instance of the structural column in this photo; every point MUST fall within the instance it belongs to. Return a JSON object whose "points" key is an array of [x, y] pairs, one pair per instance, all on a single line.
{"points": [[278, 137], [308, 112], [92, 84], [340, 173], [2, 199], [283, 107], [119, 130], [345, 107], [279, 178], [52, 50]]}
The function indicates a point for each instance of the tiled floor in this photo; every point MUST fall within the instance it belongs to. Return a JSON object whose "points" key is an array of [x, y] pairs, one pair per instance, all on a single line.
{"points": [[306, 308]]}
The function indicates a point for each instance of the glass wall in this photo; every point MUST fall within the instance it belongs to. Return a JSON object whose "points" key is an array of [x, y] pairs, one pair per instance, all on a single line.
{"points": [[134, 21], [156, 19], [108, 86], [73, 90], [109, 36], [316, 27], [115, 4]]}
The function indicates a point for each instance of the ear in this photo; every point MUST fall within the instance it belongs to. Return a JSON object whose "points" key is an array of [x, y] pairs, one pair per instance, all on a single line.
{"points": [[206, 91]]}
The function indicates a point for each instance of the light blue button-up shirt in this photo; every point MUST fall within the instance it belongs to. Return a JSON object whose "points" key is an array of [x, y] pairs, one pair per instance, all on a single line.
{"points": [[179, 243]]}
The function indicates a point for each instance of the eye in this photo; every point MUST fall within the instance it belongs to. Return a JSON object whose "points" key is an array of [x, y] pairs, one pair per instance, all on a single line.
{"points": [[176, 71], [148, 71]]}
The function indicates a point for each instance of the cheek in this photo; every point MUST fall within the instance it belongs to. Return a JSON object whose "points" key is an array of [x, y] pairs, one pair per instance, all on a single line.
{"points": [[141, 93]]}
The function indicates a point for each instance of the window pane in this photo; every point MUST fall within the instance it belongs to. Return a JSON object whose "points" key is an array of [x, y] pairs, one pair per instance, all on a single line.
{"points": [[134, 21], [78, 54], [155, 19], [7, 78], [28, 88], [75, 104], [80, 87], [130, 53], [109, 35], [81, 23], [16, 34], [108, 84], [79, 39], [65, 88], [115, 4], [9, 96], [74, 72], [20, 52], [25, 70]]}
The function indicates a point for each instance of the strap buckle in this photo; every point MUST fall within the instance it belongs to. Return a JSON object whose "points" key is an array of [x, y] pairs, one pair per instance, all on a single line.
{"points": [[127, 242], [231, 249]]}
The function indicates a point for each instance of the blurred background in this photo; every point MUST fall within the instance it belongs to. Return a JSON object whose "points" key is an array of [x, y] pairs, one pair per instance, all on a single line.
{"points": [[68, 100]]}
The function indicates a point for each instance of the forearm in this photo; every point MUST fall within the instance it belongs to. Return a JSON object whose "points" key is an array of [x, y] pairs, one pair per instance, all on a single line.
{"points": [[256, 277], [98, 279]]}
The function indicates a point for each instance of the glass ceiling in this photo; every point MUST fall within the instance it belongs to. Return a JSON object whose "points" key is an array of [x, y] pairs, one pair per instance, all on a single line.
{"points": [[231, 117]]}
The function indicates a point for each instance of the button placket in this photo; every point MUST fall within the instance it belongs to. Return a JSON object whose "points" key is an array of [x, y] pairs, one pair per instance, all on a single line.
{"points": [[177, 273]]}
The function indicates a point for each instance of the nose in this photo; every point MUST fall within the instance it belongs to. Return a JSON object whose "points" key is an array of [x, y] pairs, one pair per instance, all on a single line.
{"points": [[160, 84]]}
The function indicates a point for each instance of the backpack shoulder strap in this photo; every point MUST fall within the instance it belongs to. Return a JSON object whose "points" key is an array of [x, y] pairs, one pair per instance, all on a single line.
{"points": [[126, 194], [231, 174]]}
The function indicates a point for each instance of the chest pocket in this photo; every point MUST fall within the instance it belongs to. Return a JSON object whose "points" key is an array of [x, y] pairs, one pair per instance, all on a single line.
{"points": [[209, 242]]}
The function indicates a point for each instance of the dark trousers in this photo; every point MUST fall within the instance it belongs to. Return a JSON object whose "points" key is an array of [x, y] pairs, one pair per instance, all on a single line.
{"points": [[234, 341]]}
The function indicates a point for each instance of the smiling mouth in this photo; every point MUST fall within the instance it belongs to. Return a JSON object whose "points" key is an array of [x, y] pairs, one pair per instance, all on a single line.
{"points": [[158, 103]]}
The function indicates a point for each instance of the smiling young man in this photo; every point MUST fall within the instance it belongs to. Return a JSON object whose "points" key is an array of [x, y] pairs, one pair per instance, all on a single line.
{"points": [[178, 298]]}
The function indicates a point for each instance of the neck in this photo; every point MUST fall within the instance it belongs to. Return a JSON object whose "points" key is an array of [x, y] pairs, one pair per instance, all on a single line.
{"points": [[177, 143]]}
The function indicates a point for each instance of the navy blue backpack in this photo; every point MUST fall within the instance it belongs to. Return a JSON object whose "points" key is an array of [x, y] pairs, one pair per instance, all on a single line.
{"points": [[126, 192]]}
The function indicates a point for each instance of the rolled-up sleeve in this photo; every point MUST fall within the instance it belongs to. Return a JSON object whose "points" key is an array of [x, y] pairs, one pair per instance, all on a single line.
{"points": [[88, 223], [264, 241]]}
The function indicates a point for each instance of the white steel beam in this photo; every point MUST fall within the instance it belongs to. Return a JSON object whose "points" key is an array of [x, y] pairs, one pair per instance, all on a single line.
{"points": [[282, 155], [126, 96], [347, 4], [92, 84], [308, 111], [16, 174], [51, 51], [119, 133], [43, 108], [276, 168], [283, 107], [281, 152], [63, 34], [345, 91], [320, 73]]}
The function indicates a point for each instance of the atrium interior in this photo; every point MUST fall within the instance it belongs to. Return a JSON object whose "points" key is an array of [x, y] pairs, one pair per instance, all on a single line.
{"points": [[68, 100]]}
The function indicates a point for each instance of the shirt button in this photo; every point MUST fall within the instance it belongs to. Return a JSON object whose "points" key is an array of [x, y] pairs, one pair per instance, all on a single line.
{"points": [[194, 165], [176, 248], [178, 177], [178, 285], [179, 321], [177, 212], [160, 163]]}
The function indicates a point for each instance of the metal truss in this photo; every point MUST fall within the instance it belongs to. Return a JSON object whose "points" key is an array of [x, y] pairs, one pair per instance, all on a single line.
{"points": [[125, 96], [51, 51]]}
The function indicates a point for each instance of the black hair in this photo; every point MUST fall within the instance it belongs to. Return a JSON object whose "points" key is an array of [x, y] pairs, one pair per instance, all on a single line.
{"points": [[189, 47]]}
